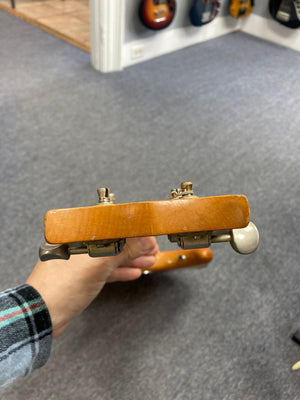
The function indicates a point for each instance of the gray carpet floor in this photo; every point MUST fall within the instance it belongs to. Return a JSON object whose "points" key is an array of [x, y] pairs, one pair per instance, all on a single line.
{"points": [[224, 114]]}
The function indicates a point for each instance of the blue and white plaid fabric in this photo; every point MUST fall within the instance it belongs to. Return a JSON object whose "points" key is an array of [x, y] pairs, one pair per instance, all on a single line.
{"points": [[25, 333]]}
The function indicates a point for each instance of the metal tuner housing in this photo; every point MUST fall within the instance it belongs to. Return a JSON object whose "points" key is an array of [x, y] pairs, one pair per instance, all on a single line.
{"points": [[243, 240]]}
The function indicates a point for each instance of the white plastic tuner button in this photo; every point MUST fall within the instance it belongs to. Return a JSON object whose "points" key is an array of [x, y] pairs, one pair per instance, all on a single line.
{"points": [[245, 240]]}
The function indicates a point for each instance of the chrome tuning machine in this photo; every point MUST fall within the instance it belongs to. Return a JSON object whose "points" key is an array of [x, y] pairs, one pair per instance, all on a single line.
{"points": [[243, 240], [101, 248]]}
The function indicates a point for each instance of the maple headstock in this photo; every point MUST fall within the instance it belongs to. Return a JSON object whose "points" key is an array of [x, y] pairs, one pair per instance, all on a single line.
{"points": [[190, 221]]}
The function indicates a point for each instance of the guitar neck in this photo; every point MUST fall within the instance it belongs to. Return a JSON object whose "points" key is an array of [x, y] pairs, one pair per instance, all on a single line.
{"points": [[190, 221], [152, 218]]}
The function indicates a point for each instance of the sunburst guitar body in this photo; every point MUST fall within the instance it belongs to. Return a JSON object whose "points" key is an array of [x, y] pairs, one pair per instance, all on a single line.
{"points": [[241, 8], [157, 14]]}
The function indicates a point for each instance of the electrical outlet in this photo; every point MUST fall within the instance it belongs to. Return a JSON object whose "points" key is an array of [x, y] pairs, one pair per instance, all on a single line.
{"points": [[137, 52]]}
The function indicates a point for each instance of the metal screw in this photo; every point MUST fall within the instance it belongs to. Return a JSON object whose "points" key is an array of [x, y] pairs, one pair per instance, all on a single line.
{"points": [[175, 193], [187, 188], [105, 196], [186, 185]]}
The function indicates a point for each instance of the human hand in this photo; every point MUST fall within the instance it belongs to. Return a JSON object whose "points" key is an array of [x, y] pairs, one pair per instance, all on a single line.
{"points": [[69, 286]]}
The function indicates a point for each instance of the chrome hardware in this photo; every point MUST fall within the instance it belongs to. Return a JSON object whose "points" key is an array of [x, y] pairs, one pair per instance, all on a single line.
{"points": [[105, 197], [159, 11], [101, 248], [186, 190], [158, 20], [105, 248], [52, 252], [244, 240], [196, 240]]}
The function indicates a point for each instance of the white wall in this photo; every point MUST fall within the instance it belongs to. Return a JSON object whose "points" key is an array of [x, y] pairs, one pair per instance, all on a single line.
{"points": [[135, 30], [261, 8], [119, 39], [141, 44], [262, 25]]}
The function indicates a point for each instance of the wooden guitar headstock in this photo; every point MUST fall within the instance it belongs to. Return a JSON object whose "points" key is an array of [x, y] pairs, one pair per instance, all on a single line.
{"points": [[190, 221]]}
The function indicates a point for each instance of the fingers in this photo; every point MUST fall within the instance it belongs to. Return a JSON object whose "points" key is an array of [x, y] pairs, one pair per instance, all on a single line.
{"points": [[140, 262], [124, 274], [137, 247], [138, 253], [134, 248]]}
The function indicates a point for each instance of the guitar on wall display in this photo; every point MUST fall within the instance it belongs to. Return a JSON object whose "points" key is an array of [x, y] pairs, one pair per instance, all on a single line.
{"points": [[286, 12], [241, 8], [157, 14], [190, 221], [203, 11]]}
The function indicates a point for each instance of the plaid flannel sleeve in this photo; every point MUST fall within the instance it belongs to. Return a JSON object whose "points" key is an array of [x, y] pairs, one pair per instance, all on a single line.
{"points": [[25, 333]]}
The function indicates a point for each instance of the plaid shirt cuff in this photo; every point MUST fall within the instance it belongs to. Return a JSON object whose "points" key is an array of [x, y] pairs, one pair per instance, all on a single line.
{"points": [[25, 333]]}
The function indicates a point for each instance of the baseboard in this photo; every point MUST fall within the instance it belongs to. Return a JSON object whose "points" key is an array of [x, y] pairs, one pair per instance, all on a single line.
{"points": [[163, 42], [269, 29]]}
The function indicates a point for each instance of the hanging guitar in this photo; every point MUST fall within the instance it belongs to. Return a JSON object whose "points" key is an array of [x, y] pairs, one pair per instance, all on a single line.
{"points": [[190, 221], [157, 14], [286, 12], [203, 11], [241, 8]]}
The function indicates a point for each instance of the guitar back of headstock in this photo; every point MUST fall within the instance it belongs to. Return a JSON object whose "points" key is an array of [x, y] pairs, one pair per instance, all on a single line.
{"points": [[190, 221], [152, 218]]}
